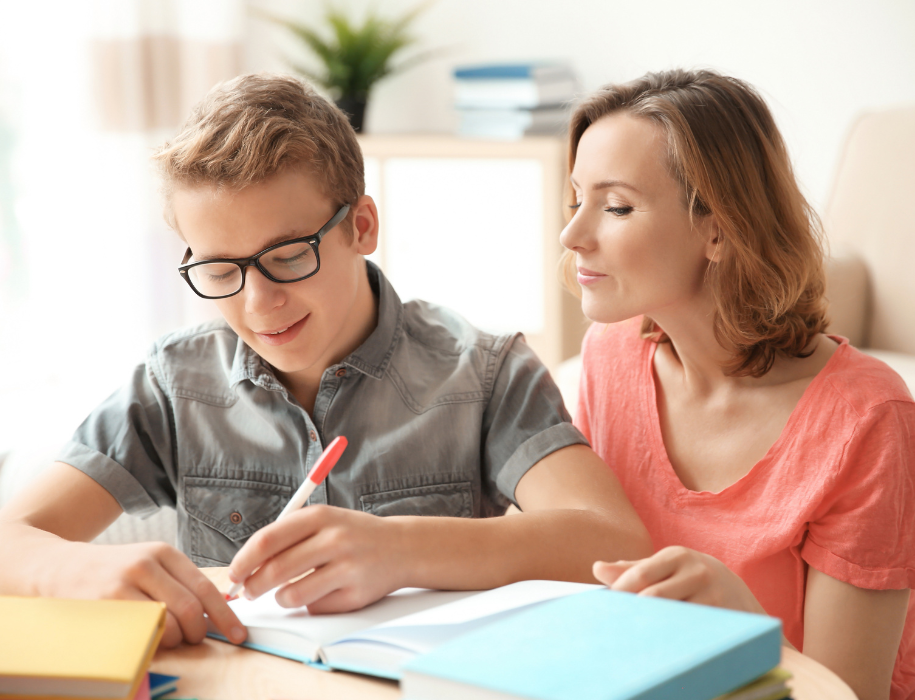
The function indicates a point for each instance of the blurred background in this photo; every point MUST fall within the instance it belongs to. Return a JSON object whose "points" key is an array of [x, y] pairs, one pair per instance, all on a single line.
{"points": [[88, 88]]}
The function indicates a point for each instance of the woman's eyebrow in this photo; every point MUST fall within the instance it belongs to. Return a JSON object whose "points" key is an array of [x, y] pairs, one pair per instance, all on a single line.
{"points": [[605, 184]]}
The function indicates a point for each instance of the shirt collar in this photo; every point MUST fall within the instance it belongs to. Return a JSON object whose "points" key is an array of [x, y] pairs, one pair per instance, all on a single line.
{"points": [[374, 355], [371, 358]]}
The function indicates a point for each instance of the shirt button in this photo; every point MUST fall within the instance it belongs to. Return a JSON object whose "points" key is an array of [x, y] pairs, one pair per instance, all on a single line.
{"points": [[341, 372], [313, 435], [235, 517]]}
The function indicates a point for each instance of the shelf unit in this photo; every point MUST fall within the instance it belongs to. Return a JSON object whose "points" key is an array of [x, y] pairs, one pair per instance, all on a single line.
{"points": [[474, 225]]}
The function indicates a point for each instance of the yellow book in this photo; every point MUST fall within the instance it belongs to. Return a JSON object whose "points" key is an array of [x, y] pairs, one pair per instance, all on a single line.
{"points": [[771, 686], [57, 648]]}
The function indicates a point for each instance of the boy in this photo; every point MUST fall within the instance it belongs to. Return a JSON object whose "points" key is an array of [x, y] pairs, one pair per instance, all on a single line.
{"points": [[223, 421]]}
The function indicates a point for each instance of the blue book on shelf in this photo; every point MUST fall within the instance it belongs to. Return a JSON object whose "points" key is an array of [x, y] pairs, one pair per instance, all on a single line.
{"points": [[601, 645], [514, 71]]}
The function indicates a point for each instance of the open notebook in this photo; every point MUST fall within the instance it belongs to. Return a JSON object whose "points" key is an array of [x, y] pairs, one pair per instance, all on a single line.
{"points": [[379, 639]]}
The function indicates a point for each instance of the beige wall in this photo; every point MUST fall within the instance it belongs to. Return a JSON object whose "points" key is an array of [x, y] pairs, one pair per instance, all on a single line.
{"points": [[819, 62]]}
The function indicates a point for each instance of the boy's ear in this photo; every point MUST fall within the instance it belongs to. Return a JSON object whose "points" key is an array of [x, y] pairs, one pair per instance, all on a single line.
{"points": [[365, 225]]}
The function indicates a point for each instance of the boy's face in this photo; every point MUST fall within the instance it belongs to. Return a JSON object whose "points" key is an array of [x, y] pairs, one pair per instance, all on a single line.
{"points": [[297, 326]]}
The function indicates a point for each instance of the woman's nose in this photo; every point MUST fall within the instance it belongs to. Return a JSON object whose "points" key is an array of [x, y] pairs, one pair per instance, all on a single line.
{"points": [[575, 234]]}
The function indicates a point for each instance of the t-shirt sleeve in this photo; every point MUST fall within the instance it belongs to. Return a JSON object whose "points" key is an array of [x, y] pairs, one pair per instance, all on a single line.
{"points": [[863, 531], [126, 444], [525, 419]]}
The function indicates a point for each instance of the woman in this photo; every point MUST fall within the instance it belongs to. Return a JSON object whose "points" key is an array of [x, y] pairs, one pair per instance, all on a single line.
{"points": [[774, 465]]}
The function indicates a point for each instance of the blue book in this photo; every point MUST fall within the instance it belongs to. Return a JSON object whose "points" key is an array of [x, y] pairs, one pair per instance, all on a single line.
{"points": [[601, 645], [161, 685], [514, 71]]}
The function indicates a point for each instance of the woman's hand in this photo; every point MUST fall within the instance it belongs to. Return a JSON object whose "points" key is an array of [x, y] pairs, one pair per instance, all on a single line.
{"points": [[680, 573], [353, 558]]}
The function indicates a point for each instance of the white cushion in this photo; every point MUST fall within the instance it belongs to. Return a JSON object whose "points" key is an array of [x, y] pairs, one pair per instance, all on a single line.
{"points": [[902, 363], [22, 465]]}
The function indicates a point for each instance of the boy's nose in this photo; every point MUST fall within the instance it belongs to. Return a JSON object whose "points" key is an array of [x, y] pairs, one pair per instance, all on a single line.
{"points": [[261, 294]]}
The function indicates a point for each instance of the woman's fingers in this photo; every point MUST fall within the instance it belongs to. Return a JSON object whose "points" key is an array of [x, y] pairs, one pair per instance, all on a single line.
{"points": [[607, 572], [647, 572], [677, 587]]}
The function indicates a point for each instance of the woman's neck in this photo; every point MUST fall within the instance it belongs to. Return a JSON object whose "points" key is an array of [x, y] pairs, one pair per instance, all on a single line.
{"points": [[696, 353], [701, 361]]}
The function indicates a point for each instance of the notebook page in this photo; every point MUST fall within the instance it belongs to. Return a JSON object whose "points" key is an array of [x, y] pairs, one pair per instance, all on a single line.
{"points": [[424, 630], [266, 613]]}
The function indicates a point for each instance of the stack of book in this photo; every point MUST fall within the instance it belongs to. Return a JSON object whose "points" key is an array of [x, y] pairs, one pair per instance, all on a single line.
{"points": [[605, 645], [76, 649], [510, 101], [534, 640]]}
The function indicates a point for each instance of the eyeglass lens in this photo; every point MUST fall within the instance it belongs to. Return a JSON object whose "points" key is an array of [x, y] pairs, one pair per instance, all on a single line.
{"points": [[286, 263]]}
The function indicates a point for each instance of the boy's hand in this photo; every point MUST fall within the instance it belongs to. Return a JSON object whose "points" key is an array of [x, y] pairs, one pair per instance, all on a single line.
{"points": [[149, 571], [355, 557], [680, 573]]}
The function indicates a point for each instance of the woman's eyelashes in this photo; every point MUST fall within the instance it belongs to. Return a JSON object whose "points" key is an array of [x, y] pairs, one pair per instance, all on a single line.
{"points": [[616, 211]]}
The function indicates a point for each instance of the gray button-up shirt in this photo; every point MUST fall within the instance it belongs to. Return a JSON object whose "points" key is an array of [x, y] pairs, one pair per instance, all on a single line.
{"points": [[441, 418]]}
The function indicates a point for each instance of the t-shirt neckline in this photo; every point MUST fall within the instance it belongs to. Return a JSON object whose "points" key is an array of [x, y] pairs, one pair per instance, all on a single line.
{"points": [[654, 419]]}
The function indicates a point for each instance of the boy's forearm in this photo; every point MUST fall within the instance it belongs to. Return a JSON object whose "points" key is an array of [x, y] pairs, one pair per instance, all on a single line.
{"points": [[458, 553], [30, 554]]}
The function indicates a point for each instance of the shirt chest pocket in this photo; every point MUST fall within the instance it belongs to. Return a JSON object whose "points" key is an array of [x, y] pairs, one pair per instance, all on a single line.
{"points": [[450, 500], [224, 513]]}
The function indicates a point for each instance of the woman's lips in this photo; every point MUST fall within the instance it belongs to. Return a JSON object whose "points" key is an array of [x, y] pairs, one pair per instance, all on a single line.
{"points": [[287, 336], [586, 276]]}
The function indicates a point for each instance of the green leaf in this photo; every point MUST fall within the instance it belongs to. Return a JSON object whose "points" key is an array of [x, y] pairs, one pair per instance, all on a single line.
{"points": [[355, 56]]}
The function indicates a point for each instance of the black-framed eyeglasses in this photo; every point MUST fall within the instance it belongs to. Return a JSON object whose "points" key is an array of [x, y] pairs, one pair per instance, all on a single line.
{"points": [[289, 261]]}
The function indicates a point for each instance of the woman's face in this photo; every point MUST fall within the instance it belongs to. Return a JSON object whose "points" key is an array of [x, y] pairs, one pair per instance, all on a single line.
{"points": [[634, 246]]}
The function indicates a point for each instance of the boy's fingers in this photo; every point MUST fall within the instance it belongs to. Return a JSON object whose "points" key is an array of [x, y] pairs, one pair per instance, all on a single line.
{"points": [[286, 566], [205, 598], [307, 590], [607, 572], [645, 573], [273, 539], [163, 585], [172, 636]]}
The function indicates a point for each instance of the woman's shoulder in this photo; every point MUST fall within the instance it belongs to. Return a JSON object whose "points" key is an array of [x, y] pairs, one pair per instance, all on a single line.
{"points": [[863, 382]]}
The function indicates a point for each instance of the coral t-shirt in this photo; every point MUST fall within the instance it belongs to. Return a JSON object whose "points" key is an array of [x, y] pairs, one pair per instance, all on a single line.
{"points": [[836, 491]]}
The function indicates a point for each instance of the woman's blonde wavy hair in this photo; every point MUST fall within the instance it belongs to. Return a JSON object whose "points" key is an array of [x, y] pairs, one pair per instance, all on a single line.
{"points": [[724, 148]]}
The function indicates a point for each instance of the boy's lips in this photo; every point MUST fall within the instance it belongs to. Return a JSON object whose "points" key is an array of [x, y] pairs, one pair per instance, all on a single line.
{"points": [[281, 335]]}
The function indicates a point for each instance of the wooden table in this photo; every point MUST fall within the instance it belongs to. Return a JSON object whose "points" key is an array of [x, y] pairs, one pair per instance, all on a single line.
{"points": [[220, 671]]}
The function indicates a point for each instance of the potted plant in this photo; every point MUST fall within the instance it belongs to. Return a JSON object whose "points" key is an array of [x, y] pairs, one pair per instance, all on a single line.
{"points": [[356, 55]]}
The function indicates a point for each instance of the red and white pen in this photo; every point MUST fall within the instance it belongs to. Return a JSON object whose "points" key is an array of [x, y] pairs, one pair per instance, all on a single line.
{"points": [[321, 469]]}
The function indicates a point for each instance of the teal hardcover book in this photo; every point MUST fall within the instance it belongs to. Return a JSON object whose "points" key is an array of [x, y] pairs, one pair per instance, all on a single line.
{"points": [[601, 645]]}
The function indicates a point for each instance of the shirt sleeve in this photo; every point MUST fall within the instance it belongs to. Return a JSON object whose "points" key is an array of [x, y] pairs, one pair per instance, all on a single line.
{"points": [[525, 419], [126, 444], [863, 531]]}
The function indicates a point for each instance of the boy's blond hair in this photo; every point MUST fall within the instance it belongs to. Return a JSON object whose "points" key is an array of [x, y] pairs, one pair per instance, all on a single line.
{"points": [[249, 128]]}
